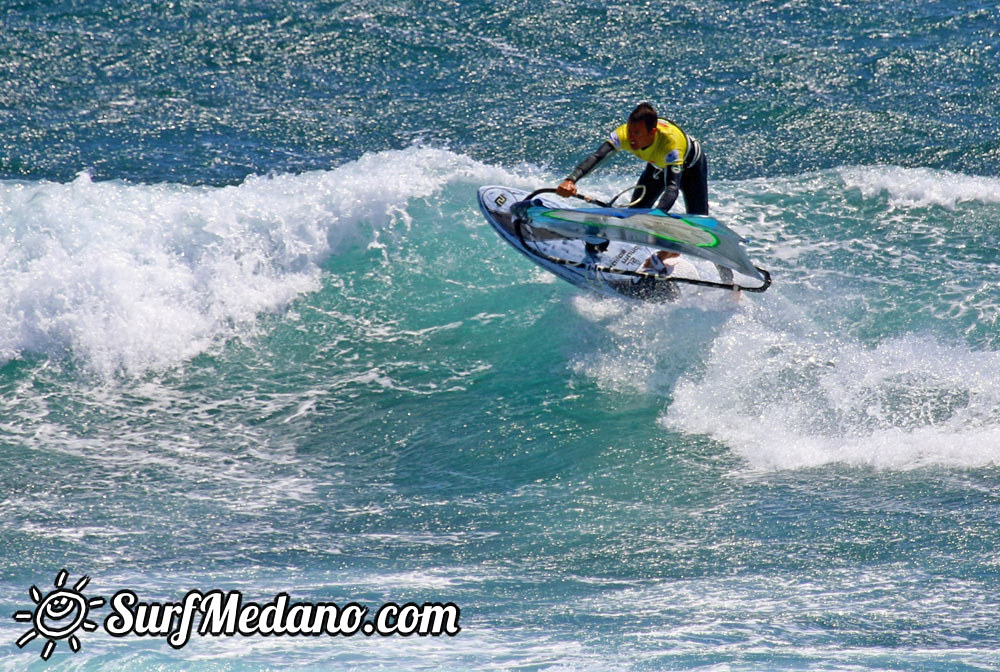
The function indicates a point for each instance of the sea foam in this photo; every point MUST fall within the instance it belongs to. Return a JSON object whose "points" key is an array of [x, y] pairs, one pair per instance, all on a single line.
{"points": [[908, 187], [785, 399]]}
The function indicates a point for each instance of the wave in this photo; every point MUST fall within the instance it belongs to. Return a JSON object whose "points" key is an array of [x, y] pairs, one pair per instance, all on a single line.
{"points": [[782, 399], [875, 347], [921, 187], [782, 391], [126, 278]]}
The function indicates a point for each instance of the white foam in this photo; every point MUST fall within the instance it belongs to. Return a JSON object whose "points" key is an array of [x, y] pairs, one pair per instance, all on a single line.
{"points": [[910, 187], [644, 348], [783, 399], [131, 277]]}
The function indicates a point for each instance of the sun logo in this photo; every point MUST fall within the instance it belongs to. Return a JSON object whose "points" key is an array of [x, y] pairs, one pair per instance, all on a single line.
{"points": [[59, 614]]}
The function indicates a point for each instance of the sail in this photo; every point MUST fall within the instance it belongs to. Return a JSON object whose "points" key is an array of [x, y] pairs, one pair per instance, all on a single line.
{"points": [[694, 235]]}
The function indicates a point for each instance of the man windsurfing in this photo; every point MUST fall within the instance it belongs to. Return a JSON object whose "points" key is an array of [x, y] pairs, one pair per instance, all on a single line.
{"points": [[675, 164]]}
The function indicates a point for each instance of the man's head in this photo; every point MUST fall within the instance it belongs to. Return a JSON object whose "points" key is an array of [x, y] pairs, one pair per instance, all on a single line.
{"points": [[642, 126]]}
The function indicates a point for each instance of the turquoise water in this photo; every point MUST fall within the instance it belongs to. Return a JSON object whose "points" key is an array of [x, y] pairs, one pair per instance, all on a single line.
{"points": [[255, 335]]}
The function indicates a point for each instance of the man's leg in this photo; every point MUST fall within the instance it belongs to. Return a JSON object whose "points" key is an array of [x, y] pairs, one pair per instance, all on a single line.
{"points": [[694, 186]]}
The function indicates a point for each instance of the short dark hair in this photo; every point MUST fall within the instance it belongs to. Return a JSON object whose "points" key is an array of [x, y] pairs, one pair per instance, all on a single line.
{"points": [[643, 114]]}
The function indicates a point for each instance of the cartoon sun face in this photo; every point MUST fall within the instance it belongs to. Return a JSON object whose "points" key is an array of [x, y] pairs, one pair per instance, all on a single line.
{"points": [[59, 614]]}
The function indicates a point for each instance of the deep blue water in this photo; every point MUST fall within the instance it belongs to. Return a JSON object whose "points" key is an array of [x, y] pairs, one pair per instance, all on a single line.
{"points": [[255, 335]]}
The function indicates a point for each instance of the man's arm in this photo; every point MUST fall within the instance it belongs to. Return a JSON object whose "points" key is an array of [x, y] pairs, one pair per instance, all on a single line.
{"points": [[568, 187], [672, 185]]}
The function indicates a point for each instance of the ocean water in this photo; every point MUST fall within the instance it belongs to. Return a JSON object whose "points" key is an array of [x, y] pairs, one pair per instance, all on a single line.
{"points": [[255, 335]]}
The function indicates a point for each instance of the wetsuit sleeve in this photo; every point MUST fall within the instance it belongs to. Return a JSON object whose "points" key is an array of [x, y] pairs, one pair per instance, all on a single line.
{"points": [[588, 164], [672, 183]]}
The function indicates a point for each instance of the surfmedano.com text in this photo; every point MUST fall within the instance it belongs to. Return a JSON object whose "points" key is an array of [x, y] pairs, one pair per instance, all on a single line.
{"points": [[226, 614]]}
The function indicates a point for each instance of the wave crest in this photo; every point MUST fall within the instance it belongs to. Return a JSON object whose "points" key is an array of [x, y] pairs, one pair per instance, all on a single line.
{"points": [[129, 277]]}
